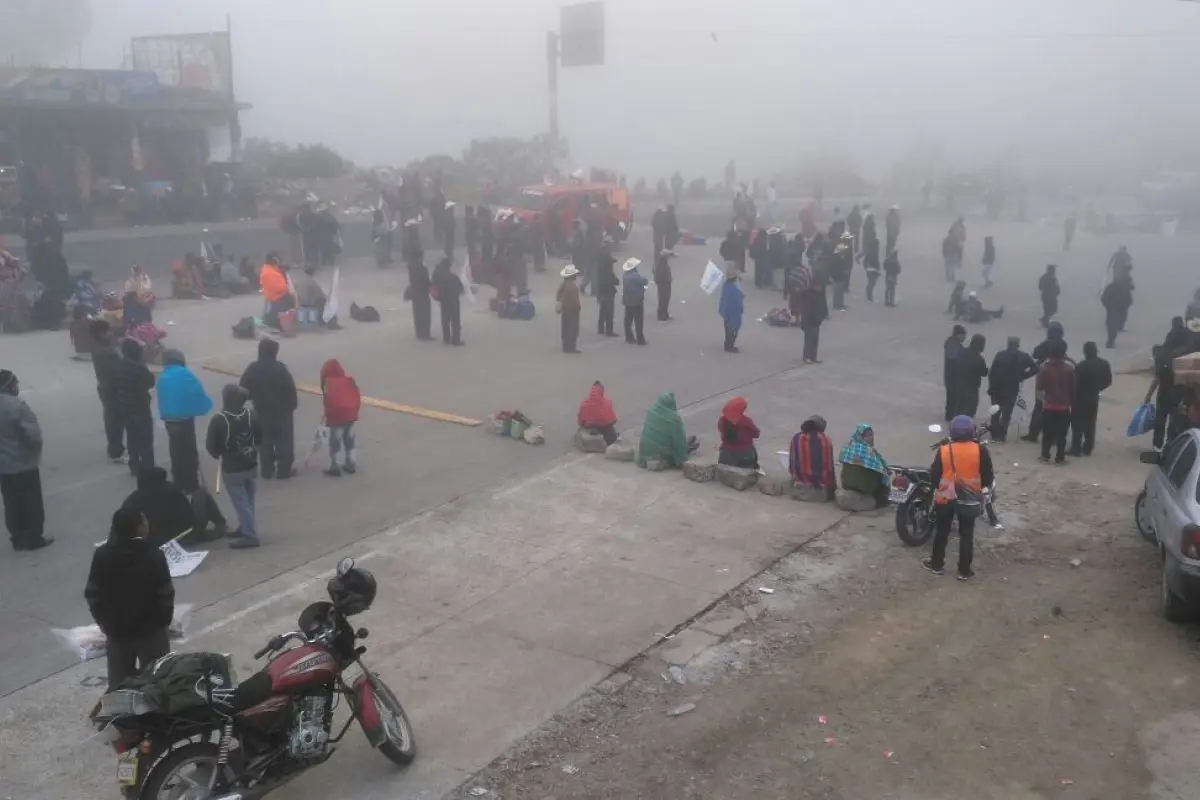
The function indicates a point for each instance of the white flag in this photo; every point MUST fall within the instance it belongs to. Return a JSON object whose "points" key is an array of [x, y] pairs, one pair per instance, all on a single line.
{"points": [[464, 275], [331, 304], [712, 279], [1022, 411]]}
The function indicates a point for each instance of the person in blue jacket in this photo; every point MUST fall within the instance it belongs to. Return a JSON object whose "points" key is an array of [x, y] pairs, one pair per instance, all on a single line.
{"points": [[730, 308], [181, 398]]}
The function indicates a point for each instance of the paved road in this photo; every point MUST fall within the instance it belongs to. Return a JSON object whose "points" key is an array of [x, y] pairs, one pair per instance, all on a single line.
{"points": [[534, 572]]}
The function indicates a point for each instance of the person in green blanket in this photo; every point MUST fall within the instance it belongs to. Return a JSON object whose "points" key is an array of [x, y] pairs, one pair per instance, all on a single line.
{"points": [[863, 469], [663, 438]]}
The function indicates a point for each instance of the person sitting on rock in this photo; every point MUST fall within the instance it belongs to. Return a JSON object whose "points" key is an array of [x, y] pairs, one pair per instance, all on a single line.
{"points": [[810, 460], [738, 433], [863, 469], [596, 414], [663, 437]]}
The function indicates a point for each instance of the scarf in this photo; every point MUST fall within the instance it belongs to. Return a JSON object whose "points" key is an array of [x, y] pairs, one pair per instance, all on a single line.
{"points": [[810, 460], [734, 410], [596, 410], [663, 436], [857, 451]]}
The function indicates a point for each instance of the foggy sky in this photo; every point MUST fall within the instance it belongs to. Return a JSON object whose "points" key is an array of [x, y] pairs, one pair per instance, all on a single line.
{"points": [[1058, 83]]}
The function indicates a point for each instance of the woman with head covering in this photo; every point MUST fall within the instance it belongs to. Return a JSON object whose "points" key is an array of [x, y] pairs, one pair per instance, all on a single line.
{"points": [[596, 414], [810, 460], [863, 469], [738, 433], [663, 437], [138, 282], [85, 293]]}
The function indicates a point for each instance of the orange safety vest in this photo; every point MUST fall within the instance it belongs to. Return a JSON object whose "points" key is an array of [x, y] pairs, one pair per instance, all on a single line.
{"points": [[963, 470], [273, 282]]}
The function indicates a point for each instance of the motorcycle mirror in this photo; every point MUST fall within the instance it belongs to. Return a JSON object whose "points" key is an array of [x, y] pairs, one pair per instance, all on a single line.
{"points": [[935, 428], [993, 409], [345, 565]]}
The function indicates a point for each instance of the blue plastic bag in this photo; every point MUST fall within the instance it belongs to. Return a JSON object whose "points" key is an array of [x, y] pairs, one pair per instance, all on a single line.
{"points": [[1142, 422]]}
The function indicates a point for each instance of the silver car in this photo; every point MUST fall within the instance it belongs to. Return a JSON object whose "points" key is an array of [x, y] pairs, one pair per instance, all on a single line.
{"points": [[1168, 514]]}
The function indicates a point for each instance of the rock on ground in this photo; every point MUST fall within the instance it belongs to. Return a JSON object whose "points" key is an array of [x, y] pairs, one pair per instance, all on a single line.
{"points": [[589, 441], [809, 494], [619, 451], [700, 473], [737, 478], [854, 501]]}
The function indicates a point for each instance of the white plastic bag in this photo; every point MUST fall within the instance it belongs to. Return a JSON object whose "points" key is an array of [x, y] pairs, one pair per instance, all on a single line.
{"points": [[87, 641], [712, 279]]}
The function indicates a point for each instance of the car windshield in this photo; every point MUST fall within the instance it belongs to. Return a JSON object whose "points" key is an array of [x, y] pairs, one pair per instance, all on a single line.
{"points": [[529, 200]]}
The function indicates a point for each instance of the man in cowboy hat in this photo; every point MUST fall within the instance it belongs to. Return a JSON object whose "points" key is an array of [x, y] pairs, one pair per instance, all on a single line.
{"points": [[662, 279], [633, 296], [569, 307], [20, 478]]}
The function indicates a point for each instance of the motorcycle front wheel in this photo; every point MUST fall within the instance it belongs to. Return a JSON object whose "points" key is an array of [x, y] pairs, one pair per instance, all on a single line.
{"points": [[400, 745], [912, 523]]}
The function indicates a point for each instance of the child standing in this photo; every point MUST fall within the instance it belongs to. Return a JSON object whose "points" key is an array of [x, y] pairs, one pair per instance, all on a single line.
{"points": [[342, 403]]}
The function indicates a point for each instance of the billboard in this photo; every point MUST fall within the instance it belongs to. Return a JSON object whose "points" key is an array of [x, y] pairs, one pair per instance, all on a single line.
{"points": [[34, 86], [193, 60], [581, 34]]}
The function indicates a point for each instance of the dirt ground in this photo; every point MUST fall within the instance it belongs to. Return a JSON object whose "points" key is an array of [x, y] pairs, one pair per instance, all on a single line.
{"points": [[862, 676]]}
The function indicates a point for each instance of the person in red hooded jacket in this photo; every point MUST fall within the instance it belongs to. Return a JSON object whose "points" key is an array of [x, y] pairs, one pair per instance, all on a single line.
{"points": [[596, 414], [738, 433], [342, 403]]}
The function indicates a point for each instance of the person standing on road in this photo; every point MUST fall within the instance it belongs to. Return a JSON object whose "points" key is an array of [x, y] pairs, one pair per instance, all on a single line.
{"points": [[891, 276], [972, 369], [949, 252], [271, 388], [233, 438], [814, 310], [134, 382], [854, 224], [342, 403], [633, 296], [960, 471], [1049, 290], [989, 261], [487, 239], [130, 596], [449, 289], [570, 306], [1054, 332], [671, 231], [1010, 368], [730, 308], [471, 235], [105, 361], [842, 262], [20, 477], [418, 293], [181, 398], [952, 353], [1069, 231], [1056, 389], [871, 265], [662, 280], [658, 228], [449, 228], [1117, 298], [606, 292], [1092, 376], [891, 226]]}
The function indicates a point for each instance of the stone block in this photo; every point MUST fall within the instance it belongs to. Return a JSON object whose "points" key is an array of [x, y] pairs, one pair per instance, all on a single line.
{"points": [[737, 478], [772, 486], [619, 451], [686, 645], [854, 501], [655, 465], [589, 441], [809, 494], [700, 473]]}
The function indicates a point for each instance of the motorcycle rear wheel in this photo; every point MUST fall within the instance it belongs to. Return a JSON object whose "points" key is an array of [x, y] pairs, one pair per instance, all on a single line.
{"points": [[912, 523], [400, 744], [183, 774]]}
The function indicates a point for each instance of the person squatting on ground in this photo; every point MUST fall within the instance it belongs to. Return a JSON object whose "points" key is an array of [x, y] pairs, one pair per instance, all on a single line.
{"points": [[20, 476], [633, 296], [1049, 290], [596, 414], [1010, 368], [570, 306], [181, 399], [952, 353], [607, 284], [960, 471], [810, 458], [343, 402], [1056, 389], [233, 439], [105, 360], [271, 388], [1092, 376], [662, 281], [737, 435], [134, 382], [130, 596], [663, 437], [171, 513], [730, 308], [448, 289], [863, 469]]}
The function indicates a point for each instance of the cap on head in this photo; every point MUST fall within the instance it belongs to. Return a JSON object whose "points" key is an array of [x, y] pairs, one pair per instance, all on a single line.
{"points": [[962, 428]]}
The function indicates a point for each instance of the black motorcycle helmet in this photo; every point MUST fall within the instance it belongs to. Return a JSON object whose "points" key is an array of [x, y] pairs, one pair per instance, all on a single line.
{"points": [[352, 589]]}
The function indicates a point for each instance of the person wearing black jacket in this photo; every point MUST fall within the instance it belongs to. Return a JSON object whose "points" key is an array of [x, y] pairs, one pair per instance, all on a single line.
{"points": [[658, 228], [105, 361], [233, 438], [758, 254], [962, 440], [891, 277], [891, 225], [777, 255], [1092, 376], [418, 293], [952, 351], [471, 234], [606, 292], [449, 290], [1048, 288], [169, 510], [273, 392], [972, 369], [671, 229], [131, 597], [1010, 368], [449, 226], [1117, 299], [134, 381], [662, 280]]}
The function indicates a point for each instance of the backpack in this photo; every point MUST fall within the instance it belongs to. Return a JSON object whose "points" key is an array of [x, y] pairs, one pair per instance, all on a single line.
{"points": [[244, 329], [239, 437]]}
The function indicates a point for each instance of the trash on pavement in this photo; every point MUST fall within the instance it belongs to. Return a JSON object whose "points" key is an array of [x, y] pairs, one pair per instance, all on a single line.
{"points": [[478, 791], [765, 590], [822, 719], [679, 711], [570, 769]]}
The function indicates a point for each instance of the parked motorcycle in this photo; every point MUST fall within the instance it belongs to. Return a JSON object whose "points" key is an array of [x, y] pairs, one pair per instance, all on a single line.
{"points": [[189, 731], [912, 494]]}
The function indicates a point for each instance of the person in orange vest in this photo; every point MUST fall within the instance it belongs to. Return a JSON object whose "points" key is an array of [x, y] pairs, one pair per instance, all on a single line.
{"points": [[273, 282], [960, 471]]}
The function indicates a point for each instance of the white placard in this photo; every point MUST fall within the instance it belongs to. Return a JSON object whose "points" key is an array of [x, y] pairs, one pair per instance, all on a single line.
{"points": [[180, 561]]}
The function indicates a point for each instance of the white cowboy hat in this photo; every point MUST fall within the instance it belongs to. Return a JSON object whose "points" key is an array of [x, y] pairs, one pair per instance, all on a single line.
{"points": [[668, 252], [774, 230], [450, 204], [971, 294], [630, 264], [408, 223], [569, 271]]}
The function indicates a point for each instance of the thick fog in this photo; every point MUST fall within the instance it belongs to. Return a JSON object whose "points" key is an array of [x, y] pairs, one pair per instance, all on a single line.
{"points": [[1071, 85]]}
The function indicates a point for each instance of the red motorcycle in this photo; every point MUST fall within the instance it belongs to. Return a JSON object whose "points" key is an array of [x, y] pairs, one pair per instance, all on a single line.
{"points": [[186, 730]]}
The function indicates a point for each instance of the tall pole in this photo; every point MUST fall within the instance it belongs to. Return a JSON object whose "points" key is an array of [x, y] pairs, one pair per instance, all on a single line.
{"points": [[235, 124], [552, 85]]}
